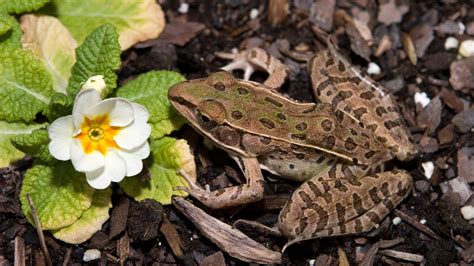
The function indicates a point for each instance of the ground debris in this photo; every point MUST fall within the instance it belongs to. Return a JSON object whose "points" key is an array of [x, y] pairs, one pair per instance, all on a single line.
{"points": [[464, 121], [144, 220], [322, 13], [180, 33], [466, 163], [430, 116], [390, 13], [216, 259], [462, 74]]}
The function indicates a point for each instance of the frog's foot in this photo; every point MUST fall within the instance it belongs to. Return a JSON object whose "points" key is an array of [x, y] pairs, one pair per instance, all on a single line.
{"points": [[320, 209], [231, 196], [257, 59]]}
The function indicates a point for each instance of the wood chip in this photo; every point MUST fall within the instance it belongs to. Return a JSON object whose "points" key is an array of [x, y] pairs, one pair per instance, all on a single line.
{"points": [[123, 248], [391, 13], [322, 14], [179, 33], [216, 259], [430, 116], [402, 255], [451, 99], [172, 237], [19, 251], [422, 36], [277, 12], [462, 74], [370, 255], [415, 223], [118, 218], [466, 163], [464, 121], [230, 240]]}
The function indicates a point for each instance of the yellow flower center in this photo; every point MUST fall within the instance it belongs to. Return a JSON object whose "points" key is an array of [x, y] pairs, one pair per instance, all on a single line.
{"points": [[97, 134]]}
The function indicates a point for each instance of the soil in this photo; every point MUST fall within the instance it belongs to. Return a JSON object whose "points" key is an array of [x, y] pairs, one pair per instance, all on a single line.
{"points": [[443, 131]]}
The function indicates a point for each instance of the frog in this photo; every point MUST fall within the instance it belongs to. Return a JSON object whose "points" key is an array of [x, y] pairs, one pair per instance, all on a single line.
{"points": [[337, 147]]}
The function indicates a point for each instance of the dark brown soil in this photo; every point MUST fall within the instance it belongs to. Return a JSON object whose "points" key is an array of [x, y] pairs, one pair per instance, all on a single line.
{"points": [[442, 139]]}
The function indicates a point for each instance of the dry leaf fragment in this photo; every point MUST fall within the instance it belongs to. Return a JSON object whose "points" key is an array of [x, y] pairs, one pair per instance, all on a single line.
{"points": [[180, 33], [409, 48]]}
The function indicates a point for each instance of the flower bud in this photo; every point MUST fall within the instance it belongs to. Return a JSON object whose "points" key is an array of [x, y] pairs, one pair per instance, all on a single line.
{"points": [[97, 83]]}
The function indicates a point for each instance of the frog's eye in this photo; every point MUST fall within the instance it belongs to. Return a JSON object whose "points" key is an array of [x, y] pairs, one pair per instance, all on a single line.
{"points": [[205, 120], [214, 110]]}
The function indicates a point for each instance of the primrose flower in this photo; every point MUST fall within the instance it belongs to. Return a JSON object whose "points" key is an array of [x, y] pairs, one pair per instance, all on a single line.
{"points": [[105, 139]]}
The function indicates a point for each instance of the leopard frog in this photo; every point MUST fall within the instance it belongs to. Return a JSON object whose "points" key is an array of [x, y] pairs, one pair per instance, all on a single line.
{"points": [[336, 147]]}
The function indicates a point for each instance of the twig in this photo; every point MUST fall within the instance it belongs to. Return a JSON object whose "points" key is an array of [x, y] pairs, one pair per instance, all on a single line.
{"points": [[423, 228], [19, 251], [402, 255], [370, 255], [39, 230], [67, 256]]}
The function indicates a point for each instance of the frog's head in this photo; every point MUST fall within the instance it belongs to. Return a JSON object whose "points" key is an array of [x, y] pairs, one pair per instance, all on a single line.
{"points": [[201, 103]]}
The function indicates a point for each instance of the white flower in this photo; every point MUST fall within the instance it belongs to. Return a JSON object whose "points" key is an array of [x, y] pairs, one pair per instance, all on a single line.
{"points": [[97, 83], [105, 139]]}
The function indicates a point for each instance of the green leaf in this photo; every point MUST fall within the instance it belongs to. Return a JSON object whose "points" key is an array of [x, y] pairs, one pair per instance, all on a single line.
{"points": [[35, 144], [98, 55], [5, 23], [60, 194], [25, 86], [91, 220], [59, 105], [11, 38], [151, 90], [135, 20], [51, 42], [168, 156], [8, 153], [21, 6]]}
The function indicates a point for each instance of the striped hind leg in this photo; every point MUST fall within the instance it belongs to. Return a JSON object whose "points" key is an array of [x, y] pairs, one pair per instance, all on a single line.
{"points": [[322, 207]]}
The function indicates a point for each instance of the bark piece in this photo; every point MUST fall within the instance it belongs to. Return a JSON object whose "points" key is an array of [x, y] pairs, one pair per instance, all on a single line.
{"points": [[180, 33], [466, 163], [144, 220], [230, 240], [462, 74], [216, 259], [464, 121], [446, 135], [391, 13], [118, 218], [430, 116], [322, 14], [422, 36]]}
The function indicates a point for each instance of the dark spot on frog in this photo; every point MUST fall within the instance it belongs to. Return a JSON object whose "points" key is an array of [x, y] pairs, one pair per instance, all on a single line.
{"points": [[300, 156], [219, 86], [330, 141], [291, 166], [267, 123], [368, 95], [341, 67], [242, 91], [229, 136], [380, 111], [298, 136], [281, 116], [265, 140], [326, 125], [309, 110], [237, 114], [301, 126], [350, 144]]}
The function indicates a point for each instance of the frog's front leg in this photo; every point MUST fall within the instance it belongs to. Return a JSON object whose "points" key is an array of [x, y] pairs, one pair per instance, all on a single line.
{"points": [[324, 206], [249, 192]]}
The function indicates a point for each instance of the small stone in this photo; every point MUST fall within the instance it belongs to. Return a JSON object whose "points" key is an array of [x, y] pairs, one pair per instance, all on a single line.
{"points": [[451, 43], [466, 49], [396, 221], [428, 169], [422, 185], [183, 8], [254, 13], [422, 98], [91, 254], [373, 69], [467, 212], [423, 221]]}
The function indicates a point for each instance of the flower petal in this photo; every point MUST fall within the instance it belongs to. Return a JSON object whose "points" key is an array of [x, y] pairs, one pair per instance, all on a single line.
{"points": [[120, 111], [114, 170], [61, 128], [84, 101], [133, 135], [140, 113], [83, 162], [133, 158], [60, 148]]}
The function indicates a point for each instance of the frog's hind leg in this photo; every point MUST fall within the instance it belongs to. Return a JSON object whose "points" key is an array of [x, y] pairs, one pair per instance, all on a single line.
{"points": [[322, 207], [233, 196]]}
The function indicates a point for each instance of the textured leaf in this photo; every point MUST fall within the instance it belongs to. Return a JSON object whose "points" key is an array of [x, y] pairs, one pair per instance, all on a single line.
{"points": [[11, 38], [59, 105], [151, 90], [35, 144], [91, 219], [60, 194], [8, 153], [99, 54], [168, 156], [135, 20], [5, 22], [21, 6], [25, 86], [50, 41]]}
